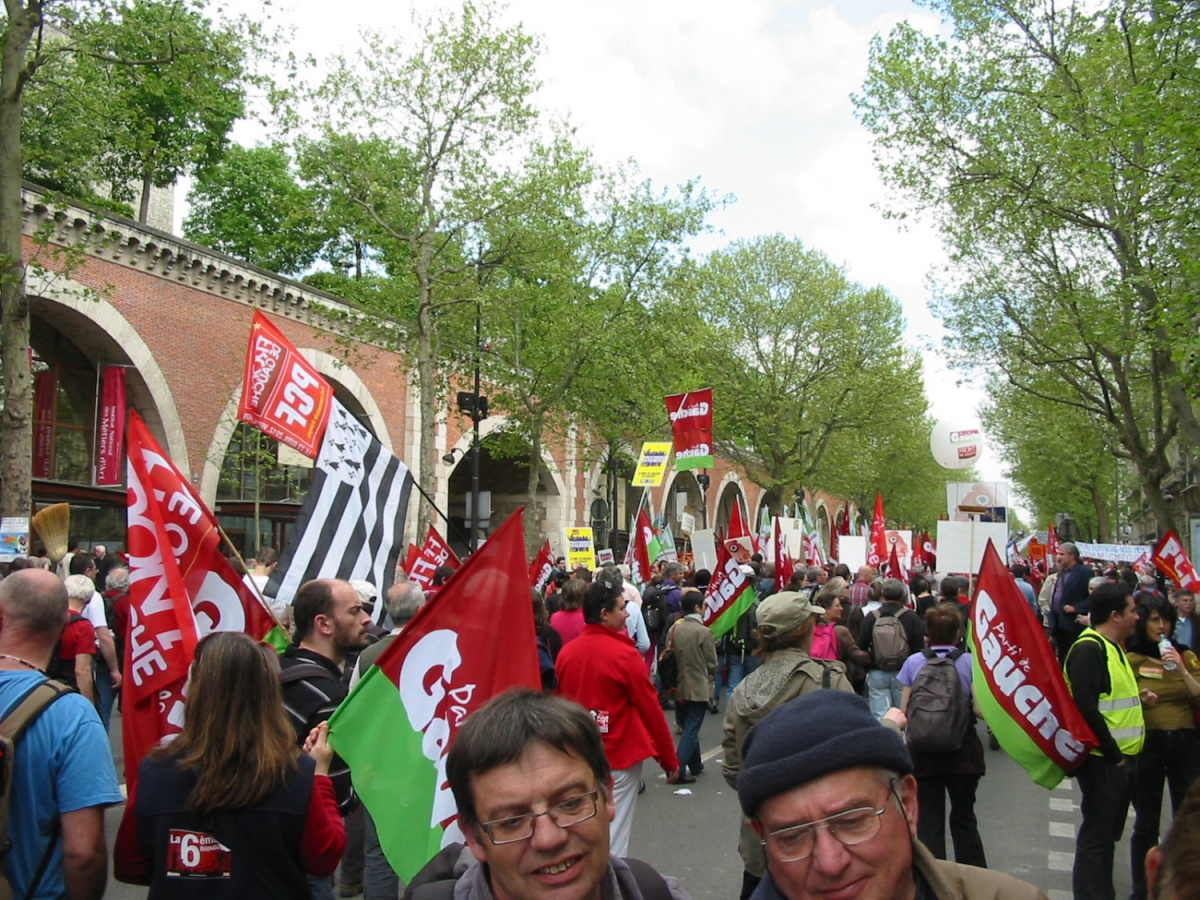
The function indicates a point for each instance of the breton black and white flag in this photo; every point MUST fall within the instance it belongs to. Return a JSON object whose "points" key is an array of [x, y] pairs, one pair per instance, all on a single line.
{"points": [[351, 524]]}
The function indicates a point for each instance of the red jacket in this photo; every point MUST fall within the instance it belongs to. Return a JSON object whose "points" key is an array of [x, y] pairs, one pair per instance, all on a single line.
{"points": [[602, 671]]}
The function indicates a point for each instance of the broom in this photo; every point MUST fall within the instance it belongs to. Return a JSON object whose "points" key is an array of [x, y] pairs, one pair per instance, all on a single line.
{"points": [[52, 524]]}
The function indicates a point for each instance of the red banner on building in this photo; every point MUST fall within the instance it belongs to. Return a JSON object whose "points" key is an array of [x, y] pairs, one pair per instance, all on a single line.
{"points": [[692, 427], [45, 387], [434, 554], [1172, 560], [110, 439], [282, 393]]}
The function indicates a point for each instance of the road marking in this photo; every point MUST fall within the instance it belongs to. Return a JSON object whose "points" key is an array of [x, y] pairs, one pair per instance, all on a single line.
{"points": [[1062, 804], [1060, 861], [1062, 829], [1064, 785], [1060, 895]]}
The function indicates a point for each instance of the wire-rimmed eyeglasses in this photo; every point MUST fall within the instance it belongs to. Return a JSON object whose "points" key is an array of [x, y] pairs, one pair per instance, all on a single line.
{"points": [[564, 814], [854, 826]]}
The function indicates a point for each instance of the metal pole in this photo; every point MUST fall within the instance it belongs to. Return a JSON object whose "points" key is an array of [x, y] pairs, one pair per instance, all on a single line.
{"points": [[474, 542]]}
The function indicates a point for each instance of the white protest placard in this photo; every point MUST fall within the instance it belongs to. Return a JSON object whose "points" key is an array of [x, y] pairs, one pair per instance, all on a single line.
{"points": [[704, 549], [852, 550], [960, 545]]}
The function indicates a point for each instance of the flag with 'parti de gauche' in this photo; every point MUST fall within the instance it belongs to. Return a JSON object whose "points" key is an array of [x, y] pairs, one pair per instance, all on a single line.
{"points": [[475, 639]]}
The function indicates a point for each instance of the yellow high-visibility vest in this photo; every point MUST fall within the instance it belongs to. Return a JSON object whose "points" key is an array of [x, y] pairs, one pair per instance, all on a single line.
{"points": [[1122, 705]]}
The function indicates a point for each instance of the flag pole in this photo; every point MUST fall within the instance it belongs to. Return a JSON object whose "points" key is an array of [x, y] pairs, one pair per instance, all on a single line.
{"points": [[257, 592], [436, 509]]}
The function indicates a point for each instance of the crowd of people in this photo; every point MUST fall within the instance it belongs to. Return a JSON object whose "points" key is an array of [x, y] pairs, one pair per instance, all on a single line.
{"points": [[848, 733]]}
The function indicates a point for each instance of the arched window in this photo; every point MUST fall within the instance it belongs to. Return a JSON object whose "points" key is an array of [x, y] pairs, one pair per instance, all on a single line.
{"points": [[64, 409]]}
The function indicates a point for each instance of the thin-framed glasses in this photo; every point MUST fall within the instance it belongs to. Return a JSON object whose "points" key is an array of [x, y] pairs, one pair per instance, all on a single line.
{"points": [[854, 826], [564, 814]]}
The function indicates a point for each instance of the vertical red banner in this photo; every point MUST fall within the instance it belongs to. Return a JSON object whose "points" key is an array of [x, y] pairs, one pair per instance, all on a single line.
{"points": [[691, 416], [110, 438], [45, 386]]}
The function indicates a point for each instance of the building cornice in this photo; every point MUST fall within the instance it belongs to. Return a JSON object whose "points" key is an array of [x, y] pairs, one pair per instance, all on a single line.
{"points": [[125, 242]]}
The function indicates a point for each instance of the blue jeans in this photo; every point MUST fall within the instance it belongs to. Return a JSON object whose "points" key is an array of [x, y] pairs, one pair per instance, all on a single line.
{"points": [[740, 665], [884, 691], [105, 695], [380, 882], [689, 743]]}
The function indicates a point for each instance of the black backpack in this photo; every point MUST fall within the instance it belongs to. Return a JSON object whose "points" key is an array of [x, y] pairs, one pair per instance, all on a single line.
{"points": [[63, 670], [939, 712], [654, 608]]}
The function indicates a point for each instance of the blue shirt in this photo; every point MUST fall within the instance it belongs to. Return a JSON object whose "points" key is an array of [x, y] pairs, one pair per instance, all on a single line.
{"points": [[1030, 596], [908, 672], [1183, 633], [63, 764]]}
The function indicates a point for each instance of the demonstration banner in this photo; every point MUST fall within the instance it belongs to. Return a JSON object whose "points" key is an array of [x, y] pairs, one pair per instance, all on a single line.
{"points": [[282, 393], [692, 426], [473, 641], [176, 597], [652, 464], [1172, 560], [729, 594], [1018, 682], [877, 550], [541, 567], [435, 553], [110, 440]]}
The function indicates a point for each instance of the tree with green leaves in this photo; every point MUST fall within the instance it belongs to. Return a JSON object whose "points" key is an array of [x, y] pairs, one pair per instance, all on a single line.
{"points": [[251, 205], [797, 356], [1049, 142]]}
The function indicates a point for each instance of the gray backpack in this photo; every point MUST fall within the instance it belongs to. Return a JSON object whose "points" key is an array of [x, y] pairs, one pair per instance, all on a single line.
{"points": [[939, 711], [889, 642]]}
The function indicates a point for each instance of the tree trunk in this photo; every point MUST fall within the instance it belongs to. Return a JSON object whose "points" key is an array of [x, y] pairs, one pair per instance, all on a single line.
{"points": [[1101, 515], [1164, 517], [144, 208], [532, 519], [16, 424]]}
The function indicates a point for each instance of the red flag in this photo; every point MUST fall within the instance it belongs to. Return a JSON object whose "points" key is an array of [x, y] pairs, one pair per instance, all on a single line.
{"points": [[1172, 560], [413, 552], [1051, 544], [877, 552], [111, 436], [434, 554], [737, 522], [691, 426], [542, 566], [928, 552], [175, 598], [282, 393], [729, 594], [784, 567], [643, 536], [1018, 682], [895, 568]]}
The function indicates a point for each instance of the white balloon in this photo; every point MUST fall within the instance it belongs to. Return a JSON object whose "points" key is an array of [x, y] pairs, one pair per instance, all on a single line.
{"points": [[956, 445]]}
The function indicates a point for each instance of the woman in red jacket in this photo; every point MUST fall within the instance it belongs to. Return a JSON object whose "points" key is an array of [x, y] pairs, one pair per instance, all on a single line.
{"points": [[230, 808]]}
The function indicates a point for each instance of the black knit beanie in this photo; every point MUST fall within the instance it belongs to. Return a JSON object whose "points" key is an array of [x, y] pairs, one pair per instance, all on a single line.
{"points": [[814, 735]]}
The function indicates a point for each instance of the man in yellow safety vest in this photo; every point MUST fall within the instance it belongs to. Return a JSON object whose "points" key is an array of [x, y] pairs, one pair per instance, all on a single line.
{"points": [[1106, 692]]}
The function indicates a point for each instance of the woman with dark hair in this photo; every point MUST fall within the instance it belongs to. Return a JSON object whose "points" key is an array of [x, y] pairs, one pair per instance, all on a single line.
{"points": [[830, 634], [923, 599], [1171, 752], [568, 621], [231, 807]]}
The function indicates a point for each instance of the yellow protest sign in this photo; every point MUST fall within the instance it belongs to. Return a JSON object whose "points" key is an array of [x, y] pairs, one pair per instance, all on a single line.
{"points": [[652, 465], [581, 549]]}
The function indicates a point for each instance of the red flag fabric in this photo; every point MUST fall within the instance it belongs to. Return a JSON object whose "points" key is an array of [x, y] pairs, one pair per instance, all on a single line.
{"points": [[643, 536], [1172, 560], [1051, 544], [282, 393], [110, 440], [691, 427], [877, 552], [729, 594], [176, 597], [411, 557], [895, 568], [434, 554], [541, 567], [1018, 681], [737, 523], [928, 552], [45, 389], [784, 567]]}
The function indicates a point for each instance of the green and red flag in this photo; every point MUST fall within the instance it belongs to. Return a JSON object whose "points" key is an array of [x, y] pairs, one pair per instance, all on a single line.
{"points": [[475, 639], [1017, 680], [641, 547], [691, 428], [729, 594]]}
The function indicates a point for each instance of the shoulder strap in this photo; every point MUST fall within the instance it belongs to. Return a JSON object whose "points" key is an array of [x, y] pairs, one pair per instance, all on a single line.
{"points": [[301, 671], [826, 676], [652, 885], [927, 653], [955, 654]]}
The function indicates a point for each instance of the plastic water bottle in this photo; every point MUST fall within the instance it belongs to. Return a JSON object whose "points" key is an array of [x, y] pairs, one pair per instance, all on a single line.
{"points": [[1163, 646]]}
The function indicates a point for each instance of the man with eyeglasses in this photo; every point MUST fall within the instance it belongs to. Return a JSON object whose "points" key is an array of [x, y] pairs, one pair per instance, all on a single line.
{"points": [[534, 796], [830, 793]]}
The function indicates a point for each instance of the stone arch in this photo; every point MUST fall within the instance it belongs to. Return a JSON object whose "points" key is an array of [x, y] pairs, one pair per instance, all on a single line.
{"points": [[103, 335], [335, 371], [728, 492], [770, 500], [693, 501]]}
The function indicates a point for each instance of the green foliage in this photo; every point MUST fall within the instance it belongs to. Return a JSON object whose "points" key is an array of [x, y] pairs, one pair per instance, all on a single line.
{"points": [[251, 206]]}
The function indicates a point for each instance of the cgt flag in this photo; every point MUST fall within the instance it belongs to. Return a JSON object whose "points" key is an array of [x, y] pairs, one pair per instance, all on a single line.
{"points": [[175, 598], [282, 393], [1018, 682], [692, 426], [475, 639], [1172, 560], [729, 594]]}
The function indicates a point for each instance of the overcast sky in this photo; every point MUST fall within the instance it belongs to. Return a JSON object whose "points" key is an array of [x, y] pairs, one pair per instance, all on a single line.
{"points": [[752, 98]]}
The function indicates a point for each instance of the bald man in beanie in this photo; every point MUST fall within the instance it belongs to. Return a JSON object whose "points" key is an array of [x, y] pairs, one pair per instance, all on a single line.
{"points": [[830, 793]]}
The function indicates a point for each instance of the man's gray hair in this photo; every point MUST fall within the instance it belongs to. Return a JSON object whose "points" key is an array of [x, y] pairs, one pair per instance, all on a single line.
{"points": [[403, 600], [1095, 582], [80, 587], [894, 590], [117, 579], [1069, 548], [671, 570]]}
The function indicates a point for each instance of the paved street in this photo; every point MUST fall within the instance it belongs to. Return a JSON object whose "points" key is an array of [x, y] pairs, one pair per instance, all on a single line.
{"points": [[1027, 830]]}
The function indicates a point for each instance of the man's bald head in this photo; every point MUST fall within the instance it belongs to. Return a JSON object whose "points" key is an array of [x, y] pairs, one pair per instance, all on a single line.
{"points": [[34, 602]]}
